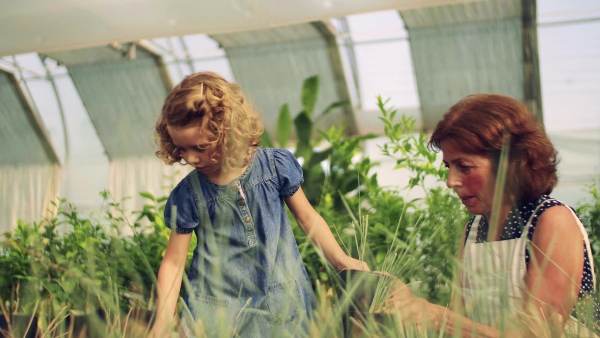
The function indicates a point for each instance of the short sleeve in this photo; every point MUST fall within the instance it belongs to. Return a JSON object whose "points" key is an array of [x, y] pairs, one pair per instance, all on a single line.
{"points": [[181, 209], [289, 172]]}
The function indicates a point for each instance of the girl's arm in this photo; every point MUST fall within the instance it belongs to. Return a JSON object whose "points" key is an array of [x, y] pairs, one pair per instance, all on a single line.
{"points": [[315, 227], [170, 275]]}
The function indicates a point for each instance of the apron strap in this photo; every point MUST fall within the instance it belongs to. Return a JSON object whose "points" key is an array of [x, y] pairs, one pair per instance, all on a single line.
{"points": [[581, 228], [472, 235]]}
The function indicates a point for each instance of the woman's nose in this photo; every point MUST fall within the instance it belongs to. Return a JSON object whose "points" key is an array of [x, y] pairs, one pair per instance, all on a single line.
{"points": [[452, 180]]}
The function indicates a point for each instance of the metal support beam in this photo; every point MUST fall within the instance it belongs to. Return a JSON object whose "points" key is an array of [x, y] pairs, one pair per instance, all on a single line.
{"points": [[531, 61], [329, 35]]}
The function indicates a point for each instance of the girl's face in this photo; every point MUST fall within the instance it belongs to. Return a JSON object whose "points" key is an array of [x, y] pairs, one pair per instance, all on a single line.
{"points": [[472, 177], [193, 147]]}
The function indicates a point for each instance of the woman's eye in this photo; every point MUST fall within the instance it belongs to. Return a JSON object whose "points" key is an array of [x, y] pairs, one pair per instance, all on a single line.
{"points": [[463, 167]]}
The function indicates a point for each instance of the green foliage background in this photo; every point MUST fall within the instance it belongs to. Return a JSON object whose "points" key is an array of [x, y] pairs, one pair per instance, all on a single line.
{"points": [[75, 263]]}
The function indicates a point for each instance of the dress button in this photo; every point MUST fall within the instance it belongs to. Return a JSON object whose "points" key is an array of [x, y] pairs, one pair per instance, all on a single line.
{"points": [[247, 219], [242, 203]]}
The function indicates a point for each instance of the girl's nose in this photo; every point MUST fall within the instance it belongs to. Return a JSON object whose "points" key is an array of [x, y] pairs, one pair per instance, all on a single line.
{"points": [[191, 158]]}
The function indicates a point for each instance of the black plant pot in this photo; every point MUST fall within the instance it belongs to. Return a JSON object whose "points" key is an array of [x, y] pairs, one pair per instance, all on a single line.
{"points": [[86, 324], [3, 326], [76, 325], [143, 316], [355, 290], [21, 326]]}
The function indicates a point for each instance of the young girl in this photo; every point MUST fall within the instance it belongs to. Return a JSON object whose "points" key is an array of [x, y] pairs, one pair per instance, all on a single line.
{"points": [[246, 277]]}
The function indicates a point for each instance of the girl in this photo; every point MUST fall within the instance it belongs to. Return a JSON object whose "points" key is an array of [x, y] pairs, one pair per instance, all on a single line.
{"points": [[246, 277]]}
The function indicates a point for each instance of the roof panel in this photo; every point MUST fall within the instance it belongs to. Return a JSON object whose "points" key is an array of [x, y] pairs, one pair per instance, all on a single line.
{"points": [[123, 97], [271, 65], [23, 138], [460, 13]]}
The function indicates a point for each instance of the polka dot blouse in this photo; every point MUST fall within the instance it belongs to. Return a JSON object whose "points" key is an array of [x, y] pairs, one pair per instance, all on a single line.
{"points": [[516, 221]]}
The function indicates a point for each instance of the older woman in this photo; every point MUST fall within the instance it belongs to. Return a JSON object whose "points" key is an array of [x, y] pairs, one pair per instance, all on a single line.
{"points": [[525, 256]]}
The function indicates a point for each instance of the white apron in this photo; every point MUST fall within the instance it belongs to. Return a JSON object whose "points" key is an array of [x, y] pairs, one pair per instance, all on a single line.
{"points": [[493, 278]]}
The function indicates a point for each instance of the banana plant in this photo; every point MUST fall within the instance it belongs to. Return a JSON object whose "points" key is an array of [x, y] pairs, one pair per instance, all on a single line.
{"points": [[306, 146]]}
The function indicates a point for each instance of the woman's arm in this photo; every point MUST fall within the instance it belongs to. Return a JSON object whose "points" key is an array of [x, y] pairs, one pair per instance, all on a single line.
{"points": [[315, 227], [170, 275], [555, 267], [553, 279], [417, 311]]}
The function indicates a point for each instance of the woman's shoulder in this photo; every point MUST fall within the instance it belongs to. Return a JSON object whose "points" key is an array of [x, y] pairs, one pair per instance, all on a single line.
{"points": [[544, 203], [552, 215]]}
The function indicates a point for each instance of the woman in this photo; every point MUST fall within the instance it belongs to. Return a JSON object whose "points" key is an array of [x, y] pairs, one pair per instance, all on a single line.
{"points": [[522, 274]]}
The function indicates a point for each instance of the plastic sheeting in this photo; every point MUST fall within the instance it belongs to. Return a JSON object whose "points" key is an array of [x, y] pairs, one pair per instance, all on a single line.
{"points": [[270, 65], [123, 90], [27, 192], [130, 176], [22, 137], [470, 48]]}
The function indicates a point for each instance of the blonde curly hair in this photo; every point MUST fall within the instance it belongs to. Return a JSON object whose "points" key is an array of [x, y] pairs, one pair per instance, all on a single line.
{"points": [[225, 116]]}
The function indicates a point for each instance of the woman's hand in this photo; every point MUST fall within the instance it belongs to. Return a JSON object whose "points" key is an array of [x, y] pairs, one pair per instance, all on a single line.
{"points": [[412, 309]]}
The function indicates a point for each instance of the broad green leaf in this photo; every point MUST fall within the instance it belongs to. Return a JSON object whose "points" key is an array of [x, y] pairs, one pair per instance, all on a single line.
{"points": [[331, 107], [318, 157], [284, 125], [310, 90], [68, 285], [265, 140], [303, 129]]}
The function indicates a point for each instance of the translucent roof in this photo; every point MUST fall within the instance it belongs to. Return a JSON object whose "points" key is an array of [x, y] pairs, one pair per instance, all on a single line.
{"points": [[72, 92]]}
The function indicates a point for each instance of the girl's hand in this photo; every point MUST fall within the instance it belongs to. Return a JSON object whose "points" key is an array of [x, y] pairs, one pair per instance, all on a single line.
{"points": [[352, 264]]}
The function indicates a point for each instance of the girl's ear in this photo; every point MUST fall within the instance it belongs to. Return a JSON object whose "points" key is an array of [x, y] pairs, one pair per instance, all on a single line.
{"points": [[216, 157]]}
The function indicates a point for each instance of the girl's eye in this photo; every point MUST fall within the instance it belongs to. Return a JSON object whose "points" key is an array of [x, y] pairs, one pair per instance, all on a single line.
{"points": [[201, 149]]}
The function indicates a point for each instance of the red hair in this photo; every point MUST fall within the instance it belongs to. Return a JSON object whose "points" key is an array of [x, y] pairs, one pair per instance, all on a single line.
{"points": [[477, 125]]}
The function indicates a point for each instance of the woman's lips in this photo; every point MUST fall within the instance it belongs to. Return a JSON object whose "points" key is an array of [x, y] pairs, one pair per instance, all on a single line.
{"points": [[466, 199]]}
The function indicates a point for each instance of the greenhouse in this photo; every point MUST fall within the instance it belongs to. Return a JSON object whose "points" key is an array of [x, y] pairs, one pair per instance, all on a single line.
{"points": [[354, 90]]}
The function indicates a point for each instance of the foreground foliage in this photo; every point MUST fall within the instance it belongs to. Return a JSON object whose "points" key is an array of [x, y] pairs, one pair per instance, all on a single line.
{"points": [[103, 267]]}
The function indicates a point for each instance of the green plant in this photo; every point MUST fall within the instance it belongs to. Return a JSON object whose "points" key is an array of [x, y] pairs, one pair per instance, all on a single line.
{"points": [[307, 143], [441, 220], [589, 212]]}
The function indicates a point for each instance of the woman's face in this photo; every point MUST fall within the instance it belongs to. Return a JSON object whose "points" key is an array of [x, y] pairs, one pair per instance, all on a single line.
{"points": [[472, 177]]}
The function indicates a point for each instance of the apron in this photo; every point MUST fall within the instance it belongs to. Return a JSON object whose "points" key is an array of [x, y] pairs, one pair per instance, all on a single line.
{"points": [[493, 279]]}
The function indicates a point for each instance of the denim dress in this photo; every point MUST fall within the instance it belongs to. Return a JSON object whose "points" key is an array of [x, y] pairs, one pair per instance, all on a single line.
{"points": [[247, 277]]}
